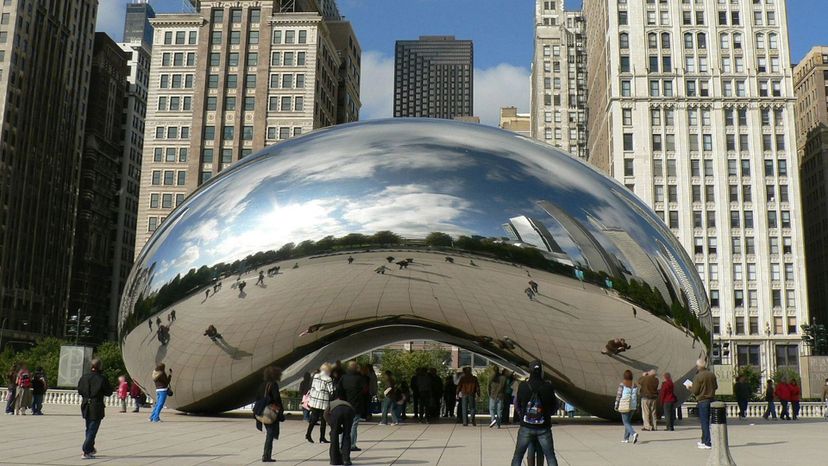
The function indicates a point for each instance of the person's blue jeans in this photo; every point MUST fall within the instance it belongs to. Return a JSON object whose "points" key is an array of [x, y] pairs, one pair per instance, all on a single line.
{"points": [[469, 408], [527, 435], [704, 420], [389, 406], [10, 401], [626, 418], [160, 399], [91, 433], [353, 434], [37, 404], [785, 413], [770, 410], [495, 409]]}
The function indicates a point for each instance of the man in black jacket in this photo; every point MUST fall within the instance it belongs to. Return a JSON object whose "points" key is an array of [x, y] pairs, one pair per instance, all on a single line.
{"points": [[537, 402], [353, 388], [93, 387]]}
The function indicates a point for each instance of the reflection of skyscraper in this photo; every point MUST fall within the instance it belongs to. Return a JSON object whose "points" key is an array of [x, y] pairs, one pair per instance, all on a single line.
{"points": [[531, 231], [636, 260], [594, 254]]}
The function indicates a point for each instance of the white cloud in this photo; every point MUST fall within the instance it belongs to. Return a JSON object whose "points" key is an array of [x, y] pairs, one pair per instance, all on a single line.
{"points": [[503, 85], [377, 86]]}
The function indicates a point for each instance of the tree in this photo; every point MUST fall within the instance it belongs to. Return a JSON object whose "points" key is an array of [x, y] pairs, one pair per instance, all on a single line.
{"points": [[816, 337], [752, 376], [403, 364], [113, 364], [438, 239], [787, 374], [385, 237]]}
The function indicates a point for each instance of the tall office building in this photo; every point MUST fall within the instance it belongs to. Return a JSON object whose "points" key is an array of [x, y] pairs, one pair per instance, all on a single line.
{"points": [[137, 27], [45, 56], [559, 91], [138, 52], [230, 80], [92, 273], [691, 106], [434, 77], [811, 88]]}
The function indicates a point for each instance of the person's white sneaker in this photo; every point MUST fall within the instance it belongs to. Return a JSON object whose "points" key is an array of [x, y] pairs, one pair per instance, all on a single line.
{"points": [[699, 444], [491, 424], [635, 437], [625, 441], [705, 447]]}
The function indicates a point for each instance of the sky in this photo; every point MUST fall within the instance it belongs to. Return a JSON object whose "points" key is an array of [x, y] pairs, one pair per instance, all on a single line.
{"points": [[502, 32]]}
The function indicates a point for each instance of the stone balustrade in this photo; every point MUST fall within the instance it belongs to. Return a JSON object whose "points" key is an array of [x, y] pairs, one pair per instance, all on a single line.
{"points": [[807, 409]]}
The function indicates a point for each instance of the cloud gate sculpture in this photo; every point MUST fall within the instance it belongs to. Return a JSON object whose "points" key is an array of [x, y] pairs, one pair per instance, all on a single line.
{"points": [[350, 238]]}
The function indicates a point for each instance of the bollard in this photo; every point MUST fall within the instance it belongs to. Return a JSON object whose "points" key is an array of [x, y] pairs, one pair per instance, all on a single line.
{"points": [[720, 455]]}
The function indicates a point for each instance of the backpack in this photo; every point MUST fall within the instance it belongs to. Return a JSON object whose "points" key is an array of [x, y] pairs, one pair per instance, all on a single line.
{"points": [[534, 412], [25, 380]]}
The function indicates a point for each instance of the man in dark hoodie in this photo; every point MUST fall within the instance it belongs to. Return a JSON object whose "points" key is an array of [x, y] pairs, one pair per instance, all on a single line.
{"points": [[353, 388], [340, 416], [536, 400], [93, 388]]}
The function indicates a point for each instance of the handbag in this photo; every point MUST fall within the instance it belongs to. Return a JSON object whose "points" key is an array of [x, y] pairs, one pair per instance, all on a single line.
{"points": [[265, 411], [169, 392]]}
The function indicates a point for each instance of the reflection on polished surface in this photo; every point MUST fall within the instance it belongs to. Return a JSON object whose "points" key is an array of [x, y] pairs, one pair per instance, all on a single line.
{"points": [[353, 237]]}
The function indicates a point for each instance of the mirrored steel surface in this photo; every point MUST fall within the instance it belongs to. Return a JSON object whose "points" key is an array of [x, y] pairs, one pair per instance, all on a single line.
{"points": [[392, 230]]}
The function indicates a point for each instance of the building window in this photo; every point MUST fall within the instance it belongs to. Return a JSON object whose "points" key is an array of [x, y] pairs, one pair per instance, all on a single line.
{"points": [[787, 357], [747, 355], [152, 224], [154, 201]]}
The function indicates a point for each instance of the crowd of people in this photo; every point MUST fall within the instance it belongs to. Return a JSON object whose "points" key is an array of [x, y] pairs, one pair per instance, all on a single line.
{"points": [[26, 390]]}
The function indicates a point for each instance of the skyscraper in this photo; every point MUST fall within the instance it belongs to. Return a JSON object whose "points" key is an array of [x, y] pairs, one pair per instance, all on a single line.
{"points": [[137, 28], [810, 81], [516, 122], [92, 273], [138, 52], [45, 56], [434, 77], [559, 91], [691, 106], [229, 80]]}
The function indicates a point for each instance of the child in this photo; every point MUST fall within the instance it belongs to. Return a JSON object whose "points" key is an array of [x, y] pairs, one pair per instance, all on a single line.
{"points": [[137, 395], [123, 391]]}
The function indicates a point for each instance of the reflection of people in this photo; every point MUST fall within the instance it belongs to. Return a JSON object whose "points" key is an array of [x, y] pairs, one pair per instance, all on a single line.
{"points": [[390, 259], [471, 262], [295, 265], [172, 315], [615, 346], [206, 293], [403, 264], [530, 293], [212, 333], [635, 312], [242, 284], [350, 260], [534, 285], [260, 281], [149, 322], [450, 260], [381, 269]]}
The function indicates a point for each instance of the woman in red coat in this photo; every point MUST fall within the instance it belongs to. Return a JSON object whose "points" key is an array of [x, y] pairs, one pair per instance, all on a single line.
{"points": [[795, 392], [783, 392], [668, 400]]}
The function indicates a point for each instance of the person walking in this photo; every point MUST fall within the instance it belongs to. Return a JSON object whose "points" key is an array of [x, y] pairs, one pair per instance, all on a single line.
{"points": [[450, 396], [321, 392], [626, 403], [39, 387], [390, 401], [260, 281], [783, 394], [742, 391], [667, 398], [423, 391], [769, 398], [137, 395], [468, 388], [353, 388], [23, 399], [93, 389], [537, 401], [704, 389], [415, 393], [304, 390], [648, 388], [825, 397], [795, 394], [272, 399], [340, 415], [497, 392], [123, 392], [162, 389]]}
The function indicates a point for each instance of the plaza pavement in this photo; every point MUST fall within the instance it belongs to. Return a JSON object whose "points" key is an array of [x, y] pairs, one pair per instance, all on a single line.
{"points": [[128, 439]]}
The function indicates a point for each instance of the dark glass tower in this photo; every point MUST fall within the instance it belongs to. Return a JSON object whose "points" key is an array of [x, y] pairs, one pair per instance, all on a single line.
{"points": [[433, 77], [137, 27]]}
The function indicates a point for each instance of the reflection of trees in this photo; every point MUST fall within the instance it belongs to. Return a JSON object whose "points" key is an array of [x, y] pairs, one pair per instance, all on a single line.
{"points": [[637, 292]]}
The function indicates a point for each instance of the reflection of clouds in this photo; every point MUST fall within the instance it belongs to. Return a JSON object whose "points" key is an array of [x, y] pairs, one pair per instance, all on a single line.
{"points": [[202, 232], [411, 210], [182, 263]]}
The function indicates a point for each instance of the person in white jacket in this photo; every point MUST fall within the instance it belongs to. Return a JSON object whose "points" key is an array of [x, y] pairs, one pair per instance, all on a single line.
{"points": [[321, 393]]}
